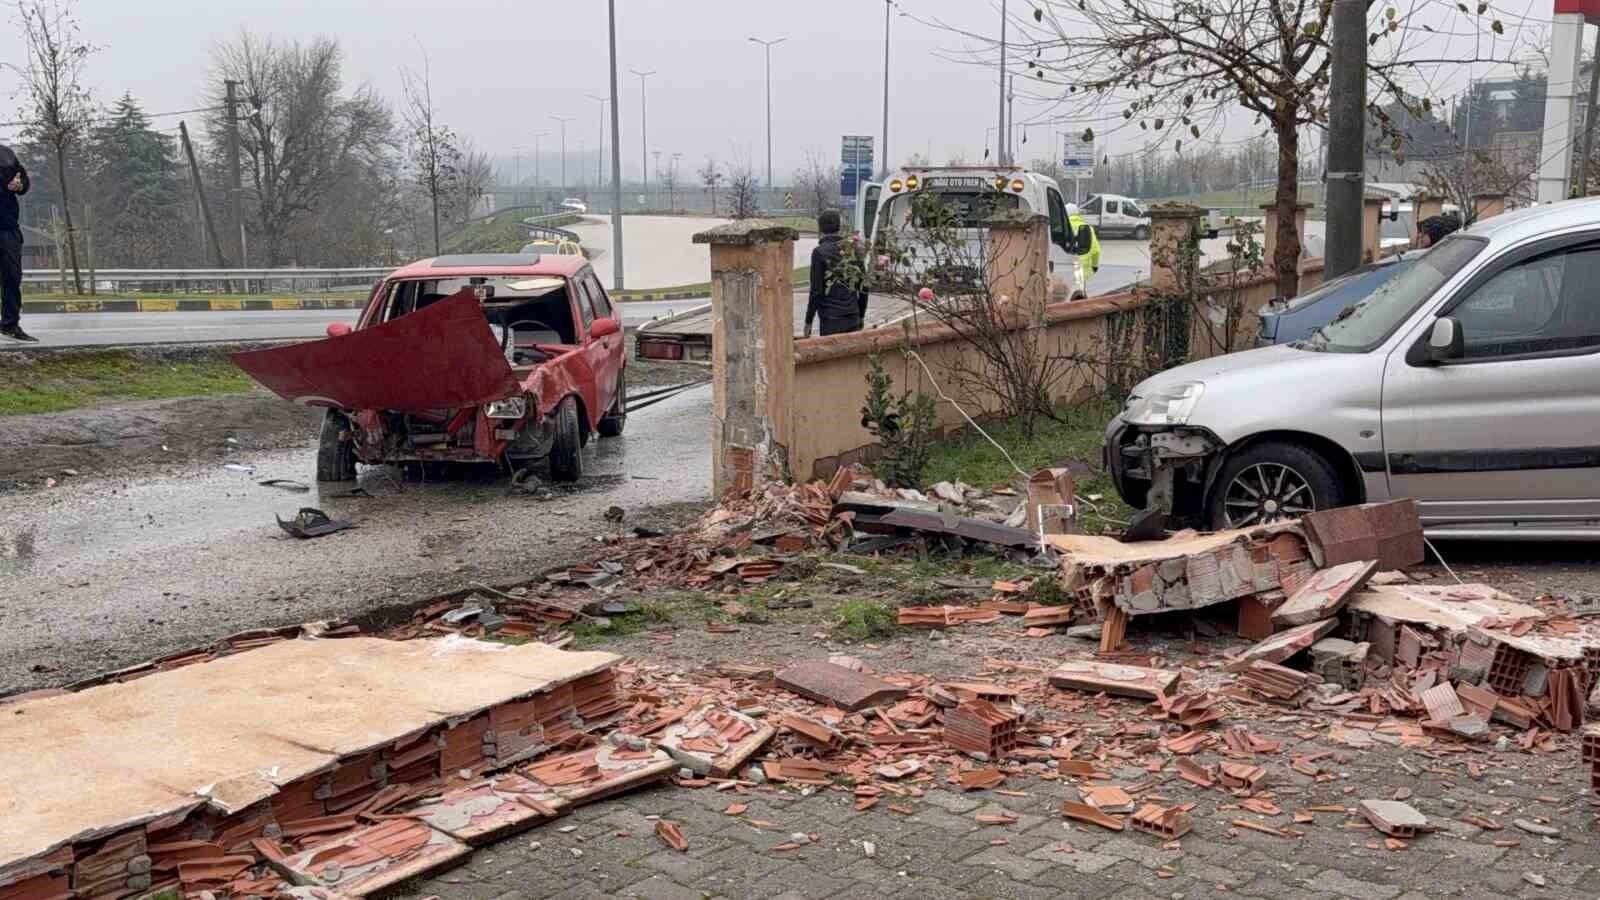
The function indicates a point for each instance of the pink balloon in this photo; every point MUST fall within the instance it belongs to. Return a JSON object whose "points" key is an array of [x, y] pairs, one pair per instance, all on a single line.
{"points": [[338, 329], [925, 294]]}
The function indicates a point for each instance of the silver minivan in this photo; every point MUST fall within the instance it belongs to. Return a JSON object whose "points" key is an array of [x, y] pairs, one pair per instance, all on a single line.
{"points": [[1470, 382]]}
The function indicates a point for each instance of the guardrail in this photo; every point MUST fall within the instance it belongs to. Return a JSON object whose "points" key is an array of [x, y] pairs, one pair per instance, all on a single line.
{"points": [[248, 281]]}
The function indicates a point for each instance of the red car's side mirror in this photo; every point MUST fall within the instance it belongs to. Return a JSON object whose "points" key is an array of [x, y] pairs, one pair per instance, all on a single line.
{"points": [[604, 327]]}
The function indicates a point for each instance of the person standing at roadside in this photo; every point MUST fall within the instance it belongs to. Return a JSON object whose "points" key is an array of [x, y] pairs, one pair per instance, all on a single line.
{"points": [[13, 184], [841, 307]]}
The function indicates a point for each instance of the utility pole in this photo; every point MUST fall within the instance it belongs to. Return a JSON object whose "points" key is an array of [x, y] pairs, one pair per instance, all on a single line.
{"points": [[883, 148], [1588, 119], [1011, 122], [1000, 130], [616, 161], [600, 162], [516, 176], [769, 45], [657, 155], [200, 193], [1347, 137], [563, 120], [672, 196], [644, 129], [236, 195]]}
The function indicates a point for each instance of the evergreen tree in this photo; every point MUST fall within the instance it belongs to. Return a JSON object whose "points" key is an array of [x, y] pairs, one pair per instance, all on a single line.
{"points": [[136, 186]]}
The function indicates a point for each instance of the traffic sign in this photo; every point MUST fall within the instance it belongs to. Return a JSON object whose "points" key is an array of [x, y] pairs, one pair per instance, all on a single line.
{"points": [[788, 200], [1077, 159], [855, 162]]}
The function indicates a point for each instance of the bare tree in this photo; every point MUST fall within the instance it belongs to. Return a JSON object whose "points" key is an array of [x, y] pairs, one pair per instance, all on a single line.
{"points": [[473, 178], [744, 190], [1462, 176], [58, 104], [1175, 67], [668, 178], [817, 184], [710, 177], [302, 136], [435, 156]]}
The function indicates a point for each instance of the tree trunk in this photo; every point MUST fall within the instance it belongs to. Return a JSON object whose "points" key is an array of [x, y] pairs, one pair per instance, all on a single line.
{"points": [[1286, 255], [66, 218], [433, 197]]}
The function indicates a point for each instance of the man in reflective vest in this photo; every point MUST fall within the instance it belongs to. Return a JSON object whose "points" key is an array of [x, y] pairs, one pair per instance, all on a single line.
{"points": [[1088, 263]]}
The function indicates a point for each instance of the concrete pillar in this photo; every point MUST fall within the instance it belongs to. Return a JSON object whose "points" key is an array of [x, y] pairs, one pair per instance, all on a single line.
{"points": [[1172, 225], [1424, 206], [1269, 229], [1018, 262], [1488, 205], [1372, 228], [752, 353]]}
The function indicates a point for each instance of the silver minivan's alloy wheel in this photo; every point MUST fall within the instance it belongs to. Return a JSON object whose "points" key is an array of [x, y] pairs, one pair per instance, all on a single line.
{"points": [[1266, 492]]}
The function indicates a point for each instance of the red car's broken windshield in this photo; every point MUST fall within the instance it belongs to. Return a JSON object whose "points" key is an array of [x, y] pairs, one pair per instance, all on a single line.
{"points": [[537, 308]]}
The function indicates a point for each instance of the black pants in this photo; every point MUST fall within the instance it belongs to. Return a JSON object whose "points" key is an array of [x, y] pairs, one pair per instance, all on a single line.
{"points": [[840, 326], [10, 278]]}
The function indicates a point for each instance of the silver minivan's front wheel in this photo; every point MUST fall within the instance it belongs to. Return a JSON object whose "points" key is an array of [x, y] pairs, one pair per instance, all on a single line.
{"points": [[1270, 482]]}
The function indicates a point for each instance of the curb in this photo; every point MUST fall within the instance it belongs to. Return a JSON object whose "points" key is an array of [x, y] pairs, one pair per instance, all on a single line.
{"points": [[668, 295], [38, 307]]}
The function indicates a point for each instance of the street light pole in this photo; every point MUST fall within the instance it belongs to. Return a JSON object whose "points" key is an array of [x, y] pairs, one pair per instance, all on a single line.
{"points": [[1000, 130], [616, 161], [644, 129], [883, 149], [600, 163], [769, 45], [563, 120], [536, 138]]}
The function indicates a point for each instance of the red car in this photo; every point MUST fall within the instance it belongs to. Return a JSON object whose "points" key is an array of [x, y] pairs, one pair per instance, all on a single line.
{"points": [[502, 358]]}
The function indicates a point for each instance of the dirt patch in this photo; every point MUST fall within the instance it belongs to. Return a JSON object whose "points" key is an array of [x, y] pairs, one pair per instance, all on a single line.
{"points": [[145, 433]]}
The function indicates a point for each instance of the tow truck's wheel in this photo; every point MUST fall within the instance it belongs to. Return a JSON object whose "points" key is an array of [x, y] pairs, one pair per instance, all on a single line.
{"points": [[1272, 481], [616, 418], [336, 456], [1141, 233], [566, 454]]}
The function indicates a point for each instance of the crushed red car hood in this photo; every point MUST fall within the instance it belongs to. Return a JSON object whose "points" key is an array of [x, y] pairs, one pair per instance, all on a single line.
{"points": [[444, 356]]}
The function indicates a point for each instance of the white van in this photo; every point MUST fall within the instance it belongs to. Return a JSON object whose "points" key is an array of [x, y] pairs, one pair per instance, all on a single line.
{"points": [[1114, 215], [977, 193]]}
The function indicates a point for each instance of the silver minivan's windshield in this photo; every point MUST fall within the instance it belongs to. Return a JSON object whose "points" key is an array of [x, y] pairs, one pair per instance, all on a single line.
{"points": [[1370, 322]]}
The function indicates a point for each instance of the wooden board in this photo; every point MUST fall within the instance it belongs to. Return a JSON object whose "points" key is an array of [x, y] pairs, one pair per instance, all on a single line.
{"points": [[119, 755]]}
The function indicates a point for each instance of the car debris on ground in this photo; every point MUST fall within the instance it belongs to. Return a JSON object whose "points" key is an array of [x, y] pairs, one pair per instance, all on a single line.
{"points": [[1117, 738]]}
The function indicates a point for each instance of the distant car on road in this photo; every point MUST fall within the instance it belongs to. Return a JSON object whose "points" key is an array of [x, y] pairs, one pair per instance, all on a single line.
{"points": [[573, 204], [1466, 382], [497, 357], [1286, 321]]}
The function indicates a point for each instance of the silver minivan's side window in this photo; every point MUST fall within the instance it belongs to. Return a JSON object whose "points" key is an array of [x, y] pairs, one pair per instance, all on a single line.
{"points": [[1369, 323], [1547, 304]]}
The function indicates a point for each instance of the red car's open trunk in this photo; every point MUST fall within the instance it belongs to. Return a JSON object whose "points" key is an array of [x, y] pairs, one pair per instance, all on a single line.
{"points": [[443, 356]]}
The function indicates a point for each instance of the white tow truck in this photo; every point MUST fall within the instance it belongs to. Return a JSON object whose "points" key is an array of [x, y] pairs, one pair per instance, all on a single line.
{"points": [[977, 193]]}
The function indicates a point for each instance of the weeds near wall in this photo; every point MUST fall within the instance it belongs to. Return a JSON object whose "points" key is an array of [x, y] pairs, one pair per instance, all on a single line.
{"points": [[903, 426]]}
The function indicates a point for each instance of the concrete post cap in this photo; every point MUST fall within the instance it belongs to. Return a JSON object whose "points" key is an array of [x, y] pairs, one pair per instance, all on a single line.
{"points": [[1174, 211], [1301, 206], [745, 232]]}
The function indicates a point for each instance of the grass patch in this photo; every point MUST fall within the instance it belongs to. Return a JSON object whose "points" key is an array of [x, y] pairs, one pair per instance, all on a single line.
{"points": [[500, 234], [1077, 435], [591, 632], [863, 620], [56, 382]]}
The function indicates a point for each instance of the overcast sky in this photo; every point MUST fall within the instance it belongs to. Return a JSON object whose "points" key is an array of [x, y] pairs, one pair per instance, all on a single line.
{"points": [[502, 68]]}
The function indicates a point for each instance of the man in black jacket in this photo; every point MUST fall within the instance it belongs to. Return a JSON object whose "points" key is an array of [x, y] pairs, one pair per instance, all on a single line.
{"points": [[841, 307], [13, 184]]}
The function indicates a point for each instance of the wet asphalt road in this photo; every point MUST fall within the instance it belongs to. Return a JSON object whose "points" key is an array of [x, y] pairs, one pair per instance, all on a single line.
{"points": [[101, 573]]}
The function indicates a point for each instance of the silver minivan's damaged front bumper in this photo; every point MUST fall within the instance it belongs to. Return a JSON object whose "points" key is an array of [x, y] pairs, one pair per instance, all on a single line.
{"points": [[1162, 468]]}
